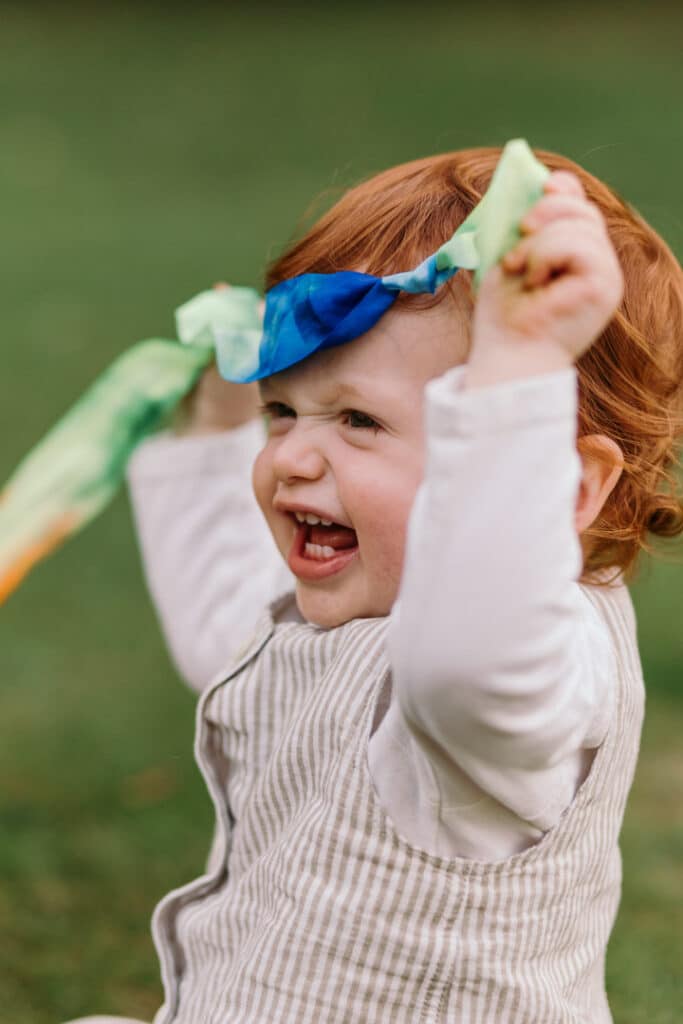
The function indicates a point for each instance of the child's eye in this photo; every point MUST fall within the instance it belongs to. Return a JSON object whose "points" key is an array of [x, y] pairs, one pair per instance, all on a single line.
{"points": [[277, 410], [360, 421]]}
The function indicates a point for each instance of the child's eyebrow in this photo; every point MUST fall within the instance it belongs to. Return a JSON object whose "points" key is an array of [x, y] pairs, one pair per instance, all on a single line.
{"points": [[347, 388], [337, 392]]}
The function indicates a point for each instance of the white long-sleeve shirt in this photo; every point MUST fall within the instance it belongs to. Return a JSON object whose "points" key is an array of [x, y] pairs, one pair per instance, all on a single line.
{"points": [[502, 670]]}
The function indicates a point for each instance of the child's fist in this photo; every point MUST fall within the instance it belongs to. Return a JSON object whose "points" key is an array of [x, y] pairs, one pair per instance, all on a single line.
{"points": [[551, 297], [216, 404]]}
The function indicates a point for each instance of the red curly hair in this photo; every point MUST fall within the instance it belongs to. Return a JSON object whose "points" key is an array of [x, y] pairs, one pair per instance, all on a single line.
{"points": [[630, 380]]}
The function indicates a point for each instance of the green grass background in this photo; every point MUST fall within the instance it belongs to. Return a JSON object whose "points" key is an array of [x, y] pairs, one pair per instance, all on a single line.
{"points": [[145, 152]]}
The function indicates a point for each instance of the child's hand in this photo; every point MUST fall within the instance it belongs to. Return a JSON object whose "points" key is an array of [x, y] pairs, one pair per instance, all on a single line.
{"points": [[216, 404], [551, 297]]}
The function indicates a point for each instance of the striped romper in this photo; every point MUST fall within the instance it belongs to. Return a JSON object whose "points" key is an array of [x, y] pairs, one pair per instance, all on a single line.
{"points": [[316, 910]]}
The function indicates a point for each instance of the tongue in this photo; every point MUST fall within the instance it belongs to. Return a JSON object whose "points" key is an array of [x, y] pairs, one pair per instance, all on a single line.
{"points": [[337, 537]]}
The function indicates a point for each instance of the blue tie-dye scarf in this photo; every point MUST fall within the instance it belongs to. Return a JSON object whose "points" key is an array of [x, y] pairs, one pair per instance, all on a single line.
{"points": [[72, 474], [316, 311]]}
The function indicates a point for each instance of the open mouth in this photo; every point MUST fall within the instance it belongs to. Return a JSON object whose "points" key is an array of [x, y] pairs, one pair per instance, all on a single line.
{"points": [[321, 548]]}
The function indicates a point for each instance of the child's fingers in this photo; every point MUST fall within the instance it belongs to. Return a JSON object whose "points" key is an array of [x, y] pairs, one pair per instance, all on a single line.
{"points": [[541, 256], [578, 223], [554, 253], [564, 181], [558, 206], [514, 261]]}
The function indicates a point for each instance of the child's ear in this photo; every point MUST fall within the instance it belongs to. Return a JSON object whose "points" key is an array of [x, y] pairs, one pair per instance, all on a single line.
{"points": [[603, 463]]}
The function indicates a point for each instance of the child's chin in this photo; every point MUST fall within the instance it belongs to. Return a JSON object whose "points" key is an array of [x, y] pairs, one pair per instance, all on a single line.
{"points": [[324, 613], [329, 610], [326, 610]]}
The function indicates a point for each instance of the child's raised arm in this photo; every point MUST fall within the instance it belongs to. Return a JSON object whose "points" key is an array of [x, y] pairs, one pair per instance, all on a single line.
{"points": [[209, 559], [501, 666]]}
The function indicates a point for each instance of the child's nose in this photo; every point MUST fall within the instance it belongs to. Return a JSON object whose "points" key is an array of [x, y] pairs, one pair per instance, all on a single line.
{"points": [[298, 457]]}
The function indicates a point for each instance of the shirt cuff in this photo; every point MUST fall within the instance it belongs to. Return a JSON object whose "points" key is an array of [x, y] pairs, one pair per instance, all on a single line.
{"points": [[525, 402], [171, 455]]}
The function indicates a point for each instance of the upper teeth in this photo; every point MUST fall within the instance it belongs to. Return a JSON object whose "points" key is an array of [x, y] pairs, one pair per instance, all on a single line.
{"points": [[308, 517]]}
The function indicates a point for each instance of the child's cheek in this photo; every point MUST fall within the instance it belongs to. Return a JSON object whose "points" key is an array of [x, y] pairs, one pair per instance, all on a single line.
{"points": [[263, 481], [385, 528]]}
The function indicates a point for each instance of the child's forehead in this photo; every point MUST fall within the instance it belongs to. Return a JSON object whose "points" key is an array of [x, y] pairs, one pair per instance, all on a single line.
{"points": [[403, 348], [329, 385]]}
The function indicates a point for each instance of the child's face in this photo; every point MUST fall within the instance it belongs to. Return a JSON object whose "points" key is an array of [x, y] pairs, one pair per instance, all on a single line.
{"points": [[345, 444]]}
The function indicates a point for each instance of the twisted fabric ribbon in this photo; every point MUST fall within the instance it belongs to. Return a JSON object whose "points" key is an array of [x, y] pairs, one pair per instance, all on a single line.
{"points": [[69, 477], [316, 311]]}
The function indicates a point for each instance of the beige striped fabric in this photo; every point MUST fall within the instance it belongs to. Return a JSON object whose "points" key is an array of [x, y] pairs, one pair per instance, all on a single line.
{"points": [[319, 912]]}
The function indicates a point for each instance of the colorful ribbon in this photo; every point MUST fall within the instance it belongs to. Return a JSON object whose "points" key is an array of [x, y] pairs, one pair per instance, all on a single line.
{"points": [[73, 473], [68, 478], [316, 311]]}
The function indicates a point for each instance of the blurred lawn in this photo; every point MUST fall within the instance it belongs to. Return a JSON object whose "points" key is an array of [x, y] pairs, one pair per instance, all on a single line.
{"points": [[144, 153]]}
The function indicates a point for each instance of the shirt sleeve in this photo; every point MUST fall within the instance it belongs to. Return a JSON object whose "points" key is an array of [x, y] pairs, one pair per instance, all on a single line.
{"points": [[209, 559], [501, 667]]}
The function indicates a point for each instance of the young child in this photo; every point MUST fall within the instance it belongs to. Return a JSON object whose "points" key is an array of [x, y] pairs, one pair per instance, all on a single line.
{"points": [[420, 759]]}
